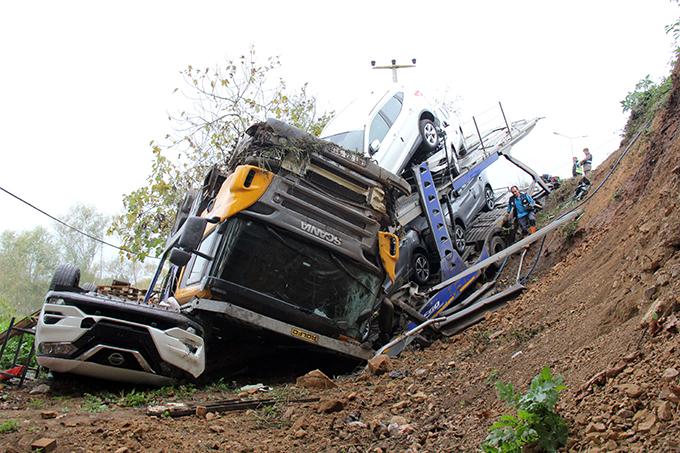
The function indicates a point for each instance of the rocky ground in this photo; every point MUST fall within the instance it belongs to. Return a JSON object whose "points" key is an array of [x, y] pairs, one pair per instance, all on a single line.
{"points": [[601, 311]]}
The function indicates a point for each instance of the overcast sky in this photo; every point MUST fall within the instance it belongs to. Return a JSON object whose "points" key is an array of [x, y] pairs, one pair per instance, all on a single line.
{"points": [[85, 86]]}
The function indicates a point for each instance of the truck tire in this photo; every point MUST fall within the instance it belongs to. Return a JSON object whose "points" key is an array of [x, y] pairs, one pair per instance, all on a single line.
{"points": [[428, 132], [496, 245], [65, 278], [89, 286]]}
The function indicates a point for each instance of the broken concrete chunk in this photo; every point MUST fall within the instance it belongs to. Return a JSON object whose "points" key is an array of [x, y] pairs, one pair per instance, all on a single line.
{"points": [[48, 414], [315, 379], [631, 390], [44, 444], [40, 389], [670, 374], [330, 406], [380, 364]]}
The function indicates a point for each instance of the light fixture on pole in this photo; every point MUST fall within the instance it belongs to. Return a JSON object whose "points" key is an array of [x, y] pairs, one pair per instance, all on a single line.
{"points": [[571, 140], [394, 66]]}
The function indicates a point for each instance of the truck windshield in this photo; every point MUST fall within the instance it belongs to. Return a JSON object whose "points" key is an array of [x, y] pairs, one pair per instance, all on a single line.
{"points": [[274, 262], [352, 140]]}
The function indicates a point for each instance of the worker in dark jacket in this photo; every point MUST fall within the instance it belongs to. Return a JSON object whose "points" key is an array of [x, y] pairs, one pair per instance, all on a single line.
{"points": [[576, 168], [523, 208]]}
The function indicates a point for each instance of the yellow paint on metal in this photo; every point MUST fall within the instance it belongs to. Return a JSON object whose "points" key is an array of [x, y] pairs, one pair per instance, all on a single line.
{"points": [[243, 187], [184, 295], [389, 252]]}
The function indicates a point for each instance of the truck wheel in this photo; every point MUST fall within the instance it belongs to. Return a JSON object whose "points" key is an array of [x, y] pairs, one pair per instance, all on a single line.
{"points": [[421, 268], [66, 278], [459, 237], [497, 244], [489, 199], [428, 132]]}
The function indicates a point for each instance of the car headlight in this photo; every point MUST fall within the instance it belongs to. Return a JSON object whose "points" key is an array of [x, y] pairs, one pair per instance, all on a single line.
{"points": [[56, 349], [56, 301]]}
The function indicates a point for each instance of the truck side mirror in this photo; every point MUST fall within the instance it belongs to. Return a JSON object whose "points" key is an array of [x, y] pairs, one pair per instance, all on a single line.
{"points": [[179, 257], [374, 147], [192, 233]]}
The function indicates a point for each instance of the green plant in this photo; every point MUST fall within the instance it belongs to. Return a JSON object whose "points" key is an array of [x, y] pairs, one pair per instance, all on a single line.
{"points": [[135, 398], [36, 404], [569, 230], [221, 385], [643, 102], [269, 417], [492, 378], [536, 423], [9, 426], [93, 403]]}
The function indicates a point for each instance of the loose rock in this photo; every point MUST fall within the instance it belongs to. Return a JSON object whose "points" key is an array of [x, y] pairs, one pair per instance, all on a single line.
{"points": [[380, 364], [330, 406], [315, 379]]}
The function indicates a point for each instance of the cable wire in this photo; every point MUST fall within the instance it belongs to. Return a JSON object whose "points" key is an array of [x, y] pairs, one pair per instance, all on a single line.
{"points": [[94, 238]]}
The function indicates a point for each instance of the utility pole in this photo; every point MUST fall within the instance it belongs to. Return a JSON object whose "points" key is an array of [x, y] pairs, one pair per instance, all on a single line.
{"points": [[394, 66]]}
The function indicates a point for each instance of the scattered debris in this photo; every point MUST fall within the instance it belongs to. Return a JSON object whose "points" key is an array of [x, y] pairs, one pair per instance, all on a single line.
{"points": [[202, 409]]}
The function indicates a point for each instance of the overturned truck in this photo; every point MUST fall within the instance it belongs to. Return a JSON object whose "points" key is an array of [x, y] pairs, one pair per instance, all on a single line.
{"points": [[287, 247]]}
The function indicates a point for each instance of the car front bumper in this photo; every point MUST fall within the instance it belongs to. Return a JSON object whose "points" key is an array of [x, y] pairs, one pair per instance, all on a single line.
{"points": [[92, 336]]}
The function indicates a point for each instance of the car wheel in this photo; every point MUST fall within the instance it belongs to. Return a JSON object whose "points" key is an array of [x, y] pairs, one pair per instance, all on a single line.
{"points": [[489, 199], [459, 237], [421, 268], [66, 278], [428, 132]]}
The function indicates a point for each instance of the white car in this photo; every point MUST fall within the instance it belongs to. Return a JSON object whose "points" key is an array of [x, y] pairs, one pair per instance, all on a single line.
{"points": [[394, 125]]}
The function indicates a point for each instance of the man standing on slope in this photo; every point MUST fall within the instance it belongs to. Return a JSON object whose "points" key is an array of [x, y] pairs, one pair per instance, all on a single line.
{"points": [[587, 164], [522, 207]]}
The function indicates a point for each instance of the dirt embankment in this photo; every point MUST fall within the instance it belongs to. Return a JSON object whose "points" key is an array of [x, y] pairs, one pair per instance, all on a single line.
{"points": [[582, 316]]}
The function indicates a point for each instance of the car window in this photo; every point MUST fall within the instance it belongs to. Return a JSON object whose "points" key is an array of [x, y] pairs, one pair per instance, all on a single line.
{"points": [[379, 128], [352, 140], [391, 109]]}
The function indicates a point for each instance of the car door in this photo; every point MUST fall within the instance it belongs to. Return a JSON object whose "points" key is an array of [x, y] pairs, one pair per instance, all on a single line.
{"points": [[384, 126]]}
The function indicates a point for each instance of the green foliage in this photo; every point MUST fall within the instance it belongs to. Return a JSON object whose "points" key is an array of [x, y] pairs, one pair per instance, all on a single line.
{"points": [[36, 403], [135, 398], [27, 261], [226, 100], [536, 423], [269, 417], [76, 249], [569, 230], [93, 403], [643, 102], [10, 349], [9, 426]]}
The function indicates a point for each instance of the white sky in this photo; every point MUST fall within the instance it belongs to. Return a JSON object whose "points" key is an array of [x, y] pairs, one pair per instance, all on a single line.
{"points": [[84, 86]]}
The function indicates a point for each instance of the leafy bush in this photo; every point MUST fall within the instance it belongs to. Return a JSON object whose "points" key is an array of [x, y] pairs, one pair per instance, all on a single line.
{"points": [[643, 102], [9, 426], [536, 422]]}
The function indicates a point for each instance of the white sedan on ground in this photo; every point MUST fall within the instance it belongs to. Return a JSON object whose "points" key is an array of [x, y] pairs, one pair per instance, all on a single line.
{"points": [[394, 125]]}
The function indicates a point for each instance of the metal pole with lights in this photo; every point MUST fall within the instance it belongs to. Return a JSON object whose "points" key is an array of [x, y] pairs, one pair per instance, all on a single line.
{"points": [[394, 66], [571, 140]]}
